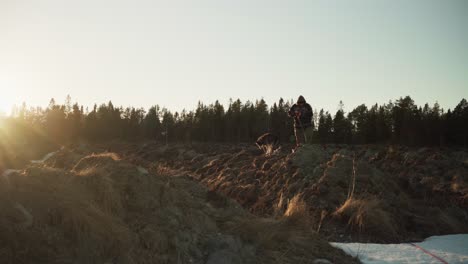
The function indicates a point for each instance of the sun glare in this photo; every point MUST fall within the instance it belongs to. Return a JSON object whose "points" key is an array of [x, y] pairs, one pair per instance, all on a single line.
{"points": [[5, 102], [9, 92], [4, 108]]}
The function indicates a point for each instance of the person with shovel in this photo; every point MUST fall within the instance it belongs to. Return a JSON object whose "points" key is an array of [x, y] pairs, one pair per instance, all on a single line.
{"points": [[302, 114]]}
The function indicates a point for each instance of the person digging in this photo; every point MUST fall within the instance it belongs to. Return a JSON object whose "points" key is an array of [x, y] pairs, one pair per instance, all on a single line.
{"points": [[301, 111]]}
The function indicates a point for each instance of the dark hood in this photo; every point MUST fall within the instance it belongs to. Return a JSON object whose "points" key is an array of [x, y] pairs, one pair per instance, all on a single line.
{"points": [[301, 99]]}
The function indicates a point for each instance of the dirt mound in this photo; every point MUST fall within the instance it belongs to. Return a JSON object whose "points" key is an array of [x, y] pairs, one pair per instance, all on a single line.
{"points": [[358, 193], [102, 209]]}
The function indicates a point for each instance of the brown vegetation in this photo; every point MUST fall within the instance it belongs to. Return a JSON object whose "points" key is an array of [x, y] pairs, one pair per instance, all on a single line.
{"points": [[97, 208], [364, 193]]}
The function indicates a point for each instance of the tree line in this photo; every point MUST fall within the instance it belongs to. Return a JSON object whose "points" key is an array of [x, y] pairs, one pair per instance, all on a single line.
{"points": [[399, 122]]}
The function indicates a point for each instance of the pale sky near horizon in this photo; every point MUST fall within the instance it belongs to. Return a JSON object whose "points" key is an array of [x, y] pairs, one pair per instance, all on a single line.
{"points": [[175, 53]]}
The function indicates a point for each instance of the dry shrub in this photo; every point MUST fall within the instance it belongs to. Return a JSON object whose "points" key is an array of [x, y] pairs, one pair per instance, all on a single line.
{"points": [[367, 216], [297, 210]]}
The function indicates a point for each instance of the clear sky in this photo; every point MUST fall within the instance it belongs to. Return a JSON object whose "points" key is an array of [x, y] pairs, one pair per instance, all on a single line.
{"points": [[174, 53]]}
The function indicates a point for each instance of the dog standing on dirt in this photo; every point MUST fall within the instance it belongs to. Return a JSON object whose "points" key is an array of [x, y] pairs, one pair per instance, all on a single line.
{"points": [[268, 142]]}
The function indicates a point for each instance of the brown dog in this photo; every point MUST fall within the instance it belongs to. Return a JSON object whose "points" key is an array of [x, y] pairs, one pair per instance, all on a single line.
{"points": [[268, 142]]}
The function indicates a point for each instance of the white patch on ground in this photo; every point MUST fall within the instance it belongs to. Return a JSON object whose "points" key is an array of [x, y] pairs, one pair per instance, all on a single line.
{"points": [[451, 248], [142, 170], [45, 158], [322, 261], [7, 173]]}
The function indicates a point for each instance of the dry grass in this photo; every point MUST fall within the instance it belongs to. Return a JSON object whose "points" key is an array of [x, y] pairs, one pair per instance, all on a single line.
{"points": [[367, 216], [297, 209], [326, 177], [112, 155], [102, 189], [62, 210], [104, 210], [286, 240], [94, 160]]}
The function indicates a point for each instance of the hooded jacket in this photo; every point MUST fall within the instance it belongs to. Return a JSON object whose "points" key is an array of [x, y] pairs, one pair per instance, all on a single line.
{"points": [[302, 114]]}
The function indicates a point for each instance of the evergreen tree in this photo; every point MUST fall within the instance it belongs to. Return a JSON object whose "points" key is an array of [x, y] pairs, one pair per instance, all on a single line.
{"points": [[152, 124], [401, 122]]}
